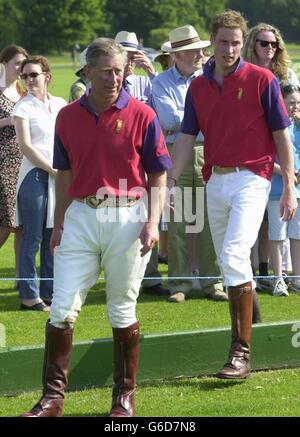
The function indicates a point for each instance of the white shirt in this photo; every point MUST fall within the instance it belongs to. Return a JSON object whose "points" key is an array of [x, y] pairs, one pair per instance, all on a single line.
{"points": [[41, 117]]}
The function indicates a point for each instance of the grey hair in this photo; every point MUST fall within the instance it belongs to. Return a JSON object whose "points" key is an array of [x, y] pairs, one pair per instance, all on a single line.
{"points": [[104, 47]]}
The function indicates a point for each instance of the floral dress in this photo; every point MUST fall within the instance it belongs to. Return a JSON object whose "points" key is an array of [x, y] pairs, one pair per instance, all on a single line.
{"points": [[10, 161]]}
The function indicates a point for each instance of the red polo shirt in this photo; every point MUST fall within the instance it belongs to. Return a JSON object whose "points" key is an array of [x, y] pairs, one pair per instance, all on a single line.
{"points": [[123, 144], [237, 119]]}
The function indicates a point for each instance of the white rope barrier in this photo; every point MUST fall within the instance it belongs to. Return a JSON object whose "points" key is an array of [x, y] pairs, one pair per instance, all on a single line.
{"points": [[164, 278]]}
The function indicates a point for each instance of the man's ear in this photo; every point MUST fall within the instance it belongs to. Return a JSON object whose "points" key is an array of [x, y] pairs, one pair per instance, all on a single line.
{"points": [[88, 72]]}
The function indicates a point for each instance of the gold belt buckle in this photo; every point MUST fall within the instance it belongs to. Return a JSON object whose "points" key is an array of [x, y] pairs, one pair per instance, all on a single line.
{"points": [[92, 201], [115, 202]]}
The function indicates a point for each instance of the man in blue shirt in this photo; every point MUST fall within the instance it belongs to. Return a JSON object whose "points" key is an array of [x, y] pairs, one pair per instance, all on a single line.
{"points": [[137, 86], [140, 87]]}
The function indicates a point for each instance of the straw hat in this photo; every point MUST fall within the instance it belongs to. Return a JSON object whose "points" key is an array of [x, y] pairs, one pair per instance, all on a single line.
{"points": [[165, 47], [82, 62], [128, 40], [160, 56], [184, 38]]}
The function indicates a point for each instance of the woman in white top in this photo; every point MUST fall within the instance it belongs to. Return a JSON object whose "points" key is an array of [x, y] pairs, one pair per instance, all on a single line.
{"points": [[35, 117]]}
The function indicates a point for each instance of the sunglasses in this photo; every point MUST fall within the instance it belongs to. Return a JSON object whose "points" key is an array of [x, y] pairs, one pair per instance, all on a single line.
{"points": [[33, 75], [263, 43]]}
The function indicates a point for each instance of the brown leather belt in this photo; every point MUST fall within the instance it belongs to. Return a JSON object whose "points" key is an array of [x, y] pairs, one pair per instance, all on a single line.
{"points": [[225, 170], [115, 202]]}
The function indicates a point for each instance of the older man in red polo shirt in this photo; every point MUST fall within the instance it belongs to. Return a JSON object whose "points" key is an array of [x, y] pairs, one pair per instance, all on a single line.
{"points": [[111, 157]]}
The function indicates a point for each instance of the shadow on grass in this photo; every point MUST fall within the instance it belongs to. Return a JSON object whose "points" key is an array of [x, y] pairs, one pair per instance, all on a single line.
{"points": [[87, 415], [207, 383]]}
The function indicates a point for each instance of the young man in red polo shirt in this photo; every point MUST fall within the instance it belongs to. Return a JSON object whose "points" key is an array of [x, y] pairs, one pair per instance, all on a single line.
{"points": [[239, 109], [111, 156]]}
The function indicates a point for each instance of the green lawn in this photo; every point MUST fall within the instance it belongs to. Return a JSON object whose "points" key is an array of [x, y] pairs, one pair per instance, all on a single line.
{"points": [[274, 394], [156, 314], [264, 394]]}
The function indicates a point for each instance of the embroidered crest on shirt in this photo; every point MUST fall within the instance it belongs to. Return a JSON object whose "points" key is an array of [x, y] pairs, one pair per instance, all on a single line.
{"points": [[240, 93], [119, 126]]}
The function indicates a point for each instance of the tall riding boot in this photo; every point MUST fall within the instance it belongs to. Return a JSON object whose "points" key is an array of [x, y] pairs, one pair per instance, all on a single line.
{"points": [[126, 354], [241, 307], [256, 316], [57, 357]]}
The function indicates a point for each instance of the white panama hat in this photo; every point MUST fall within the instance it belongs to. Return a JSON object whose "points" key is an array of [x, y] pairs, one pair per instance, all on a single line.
{"points": [[128, 40], [82, 62], [184, 38], [164, 48]]}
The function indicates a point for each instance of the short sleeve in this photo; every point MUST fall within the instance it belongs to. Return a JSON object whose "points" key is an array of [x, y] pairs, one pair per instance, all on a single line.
{"points": [[22, 110]]}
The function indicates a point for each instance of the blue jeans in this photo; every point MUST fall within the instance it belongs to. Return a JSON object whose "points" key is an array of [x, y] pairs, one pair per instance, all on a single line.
{"points": [[32, 203]]}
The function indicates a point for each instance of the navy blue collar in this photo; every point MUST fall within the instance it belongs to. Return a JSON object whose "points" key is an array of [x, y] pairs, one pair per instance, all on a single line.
{"points": [[121, 103], [210, 66]]}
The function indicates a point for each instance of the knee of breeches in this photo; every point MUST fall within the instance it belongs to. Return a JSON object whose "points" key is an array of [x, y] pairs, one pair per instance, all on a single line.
{"points": [[121, 314]]}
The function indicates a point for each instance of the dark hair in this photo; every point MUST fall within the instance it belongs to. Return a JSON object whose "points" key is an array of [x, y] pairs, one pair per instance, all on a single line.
{"points": [[38, 60], [289, 89], [10, 51]]}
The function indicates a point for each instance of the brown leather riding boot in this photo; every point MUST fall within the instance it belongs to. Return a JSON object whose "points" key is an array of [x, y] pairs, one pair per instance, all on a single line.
{"points": [[256, 315], [57, 359], [126, 354], [241, 307]]}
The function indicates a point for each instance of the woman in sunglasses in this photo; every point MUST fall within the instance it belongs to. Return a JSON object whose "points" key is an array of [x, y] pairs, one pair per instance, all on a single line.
{"points": [[35, 117], [264, 46], [11, 58]]}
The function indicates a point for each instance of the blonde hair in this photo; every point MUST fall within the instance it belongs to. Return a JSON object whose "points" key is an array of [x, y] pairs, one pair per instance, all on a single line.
{"points": [[280, 62], [229, 19]]}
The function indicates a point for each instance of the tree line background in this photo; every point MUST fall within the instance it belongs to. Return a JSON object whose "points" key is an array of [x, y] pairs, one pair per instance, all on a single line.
{"points": [[44, 26]]}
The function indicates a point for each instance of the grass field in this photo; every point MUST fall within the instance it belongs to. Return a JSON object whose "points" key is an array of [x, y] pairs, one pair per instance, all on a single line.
{"points": [[265, 394], [195, 397]]}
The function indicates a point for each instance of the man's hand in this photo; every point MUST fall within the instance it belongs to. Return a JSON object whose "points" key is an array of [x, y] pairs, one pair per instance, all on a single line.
{"points": [[288, 204], [55, 238], [149, 237], [141, 60], [296, 119], [171, 192]]}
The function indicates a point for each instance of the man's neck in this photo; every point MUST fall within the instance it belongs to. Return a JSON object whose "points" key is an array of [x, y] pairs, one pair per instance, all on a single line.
{"points": [[98, 103], [219, 73], [265, 64], [186, 72]]}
